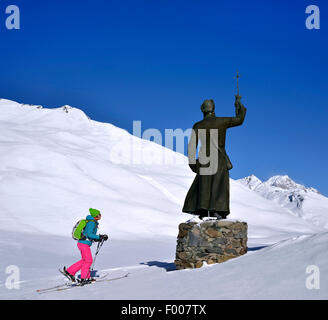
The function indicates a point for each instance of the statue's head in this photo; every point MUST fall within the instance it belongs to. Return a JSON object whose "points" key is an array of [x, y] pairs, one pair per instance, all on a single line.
{"points": [[208, 106]]}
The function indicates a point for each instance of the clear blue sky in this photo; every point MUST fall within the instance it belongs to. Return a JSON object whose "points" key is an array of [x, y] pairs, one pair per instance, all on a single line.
{"points": [[157, 60]]}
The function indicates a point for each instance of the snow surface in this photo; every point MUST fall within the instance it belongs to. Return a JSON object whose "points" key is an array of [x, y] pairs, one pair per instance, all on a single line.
{"points": [[57, 163]]}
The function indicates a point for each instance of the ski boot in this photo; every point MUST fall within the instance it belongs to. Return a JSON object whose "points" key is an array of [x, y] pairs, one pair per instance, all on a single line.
{"points": [[67, 275], [83, 282]]}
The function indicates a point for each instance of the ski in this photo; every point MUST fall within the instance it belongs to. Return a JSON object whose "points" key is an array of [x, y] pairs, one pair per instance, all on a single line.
{"points": [[70, 286], [74, 285], [67, 284], [52, 288], [112, 279], [100, 280]]}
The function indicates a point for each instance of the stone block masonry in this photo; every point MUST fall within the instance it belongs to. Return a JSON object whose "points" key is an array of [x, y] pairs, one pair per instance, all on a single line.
{"points": [[212, 241]]}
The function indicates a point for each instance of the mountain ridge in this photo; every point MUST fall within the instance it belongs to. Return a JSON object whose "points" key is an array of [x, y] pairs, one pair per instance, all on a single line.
{"points": [[57, 164], [300, 200]]}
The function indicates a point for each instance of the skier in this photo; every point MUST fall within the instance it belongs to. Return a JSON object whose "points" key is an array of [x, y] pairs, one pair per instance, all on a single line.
{"points": [[89, 236]]}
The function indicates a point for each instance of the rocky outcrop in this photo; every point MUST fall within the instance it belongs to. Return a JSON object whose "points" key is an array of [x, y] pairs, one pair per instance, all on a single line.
{"points": [[212, 241]]}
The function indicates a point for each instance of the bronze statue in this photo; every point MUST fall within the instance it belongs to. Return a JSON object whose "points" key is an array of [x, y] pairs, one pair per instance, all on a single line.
{"points": [[209, 192]]}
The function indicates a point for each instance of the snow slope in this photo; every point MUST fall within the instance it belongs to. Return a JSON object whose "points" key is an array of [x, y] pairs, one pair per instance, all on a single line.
{"points": [[57, 163], [277, 271]]}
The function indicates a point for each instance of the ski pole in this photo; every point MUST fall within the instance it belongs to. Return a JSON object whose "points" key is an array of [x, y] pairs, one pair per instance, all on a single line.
{"points": [[95, 256]]}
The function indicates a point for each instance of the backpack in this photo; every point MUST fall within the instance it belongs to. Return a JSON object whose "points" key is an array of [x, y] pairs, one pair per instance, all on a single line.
{"points": [[77, 232]]}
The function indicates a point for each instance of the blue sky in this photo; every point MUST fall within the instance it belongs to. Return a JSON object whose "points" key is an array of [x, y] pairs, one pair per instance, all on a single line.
{"points": [[157, 60]]}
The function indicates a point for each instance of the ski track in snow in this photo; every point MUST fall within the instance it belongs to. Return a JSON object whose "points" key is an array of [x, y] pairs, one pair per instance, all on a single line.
{"points": [[161, 188]]}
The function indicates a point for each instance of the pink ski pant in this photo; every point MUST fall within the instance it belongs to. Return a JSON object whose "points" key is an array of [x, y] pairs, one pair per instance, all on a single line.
{"points": [[84, 264]]}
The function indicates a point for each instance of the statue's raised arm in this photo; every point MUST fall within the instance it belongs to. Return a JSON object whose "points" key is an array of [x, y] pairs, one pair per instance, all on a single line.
{"points": [[240, 113]]}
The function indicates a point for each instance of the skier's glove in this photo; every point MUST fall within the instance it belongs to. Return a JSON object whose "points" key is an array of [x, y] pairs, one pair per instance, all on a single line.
{"points": [[103, 237]]}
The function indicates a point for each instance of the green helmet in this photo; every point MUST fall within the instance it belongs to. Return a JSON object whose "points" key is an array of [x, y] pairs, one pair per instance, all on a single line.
{"points": [[94, 212]]}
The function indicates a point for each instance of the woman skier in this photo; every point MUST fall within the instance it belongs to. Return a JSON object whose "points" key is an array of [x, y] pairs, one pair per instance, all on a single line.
{"points": [[89, 236]]}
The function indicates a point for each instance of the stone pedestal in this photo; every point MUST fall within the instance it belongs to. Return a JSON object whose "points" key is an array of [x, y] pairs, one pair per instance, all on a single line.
{"points": [[212, 241]]}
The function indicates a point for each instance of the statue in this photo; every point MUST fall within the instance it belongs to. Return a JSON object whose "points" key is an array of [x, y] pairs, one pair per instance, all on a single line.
{"points": [[209, 194]]}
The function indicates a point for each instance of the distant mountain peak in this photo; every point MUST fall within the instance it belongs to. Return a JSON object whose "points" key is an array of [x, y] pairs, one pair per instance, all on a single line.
{"points": [[251, 181], [286, 183], [282, 189], [283, 182]]}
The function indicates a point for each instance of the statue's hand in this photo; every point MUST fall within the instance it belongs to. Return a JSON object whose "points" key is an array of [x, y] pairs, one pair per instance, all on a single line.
{"points": [[238, 104], [237, 100]]}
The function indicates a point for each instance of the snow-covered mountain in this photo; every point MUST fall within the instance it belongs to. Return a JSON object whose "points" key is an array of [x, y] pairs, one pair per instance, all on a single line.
{"points": [[304, 202], [57, 163]]}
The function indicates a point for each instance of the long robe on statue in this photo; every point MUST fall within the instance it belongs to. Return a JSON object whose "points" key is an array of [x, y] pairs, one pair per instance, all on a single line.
{"points": [[210, 191]]}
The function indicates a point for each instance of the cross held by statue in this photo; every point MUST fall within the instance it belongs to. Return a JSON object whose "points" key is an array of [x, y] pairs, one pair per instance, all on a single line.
{"points": [[237, 77]]}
